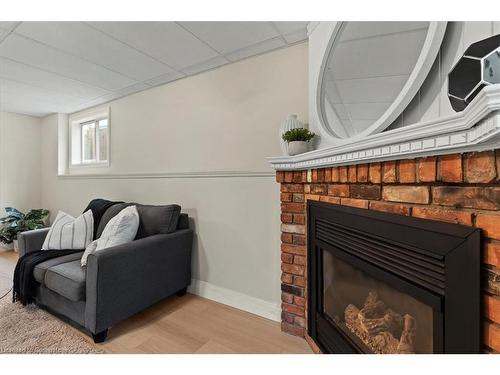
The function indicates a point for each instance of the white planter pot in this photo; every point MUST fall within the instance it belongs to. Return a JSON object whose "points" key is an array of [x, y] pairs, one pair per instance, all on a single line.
{"points": [[297, 147], [290, 123]]}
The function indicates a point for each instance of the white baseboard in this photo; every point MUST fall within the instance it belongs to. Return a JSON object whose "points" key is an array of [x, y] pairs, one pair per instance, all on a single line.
{"points": [[235, 299]]}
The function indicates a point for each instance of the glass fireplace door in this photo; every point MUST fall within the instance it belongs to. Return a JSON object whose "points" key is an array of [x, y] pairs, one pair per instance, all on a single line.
{"points": [[370, 311]]}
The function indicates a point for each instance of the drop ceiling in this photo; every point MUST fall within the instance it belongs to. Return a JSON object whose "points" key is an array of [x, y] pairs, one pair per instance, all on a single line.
{"points": [[48, 67]]}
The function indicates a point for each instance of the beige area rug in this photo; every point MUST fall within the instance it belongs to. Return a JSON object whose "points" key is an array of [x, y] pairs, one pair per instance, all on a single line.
{"points": [[31, 330]]}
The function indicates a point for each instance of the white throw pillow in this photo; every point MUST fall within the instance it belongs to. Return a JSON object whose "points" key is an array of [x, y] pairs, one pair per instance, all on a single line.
{"points": [[119, 230], [68, 233], [90, 249]]}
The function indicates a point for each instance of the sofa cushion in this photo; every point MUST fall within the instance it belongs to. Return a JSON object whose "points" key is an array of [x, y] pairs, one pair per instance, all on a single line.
{"points": [[68, 232], [157, 219], [98, 207], [120, 230], [110, 213], [67, 279], [183, 222], [41, 268]]}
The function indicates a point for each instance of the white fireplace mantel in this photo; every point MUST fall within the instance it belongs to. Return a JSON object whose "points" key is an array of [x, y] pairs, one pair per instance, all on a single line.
{"points": [[477, 128]]}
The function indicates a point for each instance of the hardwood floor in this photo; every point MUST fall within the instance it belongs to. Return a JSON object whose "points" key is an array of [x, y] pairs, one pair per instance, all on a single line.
{"points": [[7, 263], [191, 324]]}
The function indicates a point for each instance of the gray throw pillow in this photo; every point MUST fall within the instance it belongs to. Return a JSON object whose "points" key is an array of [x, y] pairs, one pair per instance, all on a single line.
{"points": [[157, 219], [110, 213]]}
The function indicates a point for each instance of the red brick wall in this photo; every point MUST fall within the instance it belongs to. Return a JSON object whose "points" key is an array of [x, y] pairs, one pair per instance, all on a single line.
{"points": [[459, 188]]}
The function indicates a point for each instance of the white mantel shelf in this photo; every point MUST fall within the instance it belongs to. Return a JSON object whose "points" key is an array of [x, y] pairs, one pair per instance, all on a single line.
{"points": [[477, 128]]}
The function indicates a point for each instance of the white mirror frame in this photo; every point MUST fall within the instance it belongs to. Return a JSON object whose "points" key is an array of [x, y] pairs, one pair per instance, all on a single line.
{"points": [[322, 38], [477, 128]]}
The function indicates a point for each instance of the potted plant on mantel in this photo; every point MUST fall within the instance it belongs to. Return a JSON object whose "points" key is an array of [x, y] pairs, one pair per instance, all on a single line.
{"points": [[298, 140], [16, 222]]}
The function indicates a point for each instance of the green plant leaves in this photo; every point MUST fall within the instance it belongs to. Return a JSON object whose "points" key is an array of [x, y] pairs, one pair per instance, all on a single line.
{"points": [[17, 222], [11, 211], [36, 214], [298, 134]]}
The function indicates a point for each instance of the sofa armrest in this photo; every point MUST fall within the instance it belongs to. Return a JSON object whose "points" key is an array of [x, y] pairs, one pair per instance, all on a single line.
{"points": [[125, 279], [31, 240]]}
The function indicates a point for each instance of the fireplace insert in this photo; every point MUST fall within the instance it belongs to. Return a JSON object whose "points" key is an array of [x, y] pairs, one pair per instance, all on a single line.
{"points": [[384, 283]]}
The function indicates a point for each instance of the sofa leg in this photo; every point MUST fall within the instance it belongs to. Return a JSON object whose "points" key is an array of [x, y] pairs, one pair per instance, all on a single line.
{"points": [[100, 336], [182, 292]]}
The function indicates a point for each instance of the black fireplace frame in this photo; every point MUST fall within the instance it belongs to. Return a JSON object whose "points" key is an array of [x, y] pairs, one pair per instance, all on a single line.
{"points": [[435, 262]]}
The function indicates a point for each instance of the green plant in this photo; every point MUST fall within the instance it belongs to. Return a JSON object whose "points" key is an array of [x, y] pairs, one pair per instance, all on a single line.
{"points": [[16, 222], [298, 134]]}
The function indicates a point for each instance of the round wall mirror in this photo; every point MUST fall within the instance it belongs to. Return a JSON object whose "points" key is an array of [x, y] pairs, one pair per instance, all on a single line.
{"points": [[371, 72]]}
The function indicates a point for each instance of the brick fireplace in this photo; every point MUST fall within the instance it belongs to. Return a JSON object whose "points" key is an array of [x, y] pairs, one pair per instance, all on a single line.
{"points": [[458, 188]]}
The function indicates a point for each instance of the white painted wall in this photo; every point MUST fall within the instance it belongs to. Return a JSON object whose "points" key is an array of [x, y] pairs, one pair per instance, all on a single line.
{"points": [[224, 120], [20, 185]]}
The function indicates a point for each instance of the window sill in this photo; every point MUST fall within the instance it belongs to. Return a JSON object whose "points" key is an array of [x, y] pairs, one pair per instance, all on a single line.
{"points": [[102, 164]]}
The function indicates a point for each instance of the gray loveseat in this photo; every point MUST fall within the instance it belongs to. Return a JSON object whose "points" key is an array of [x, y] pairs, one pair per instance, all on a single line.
{"points": [[118, 281]]}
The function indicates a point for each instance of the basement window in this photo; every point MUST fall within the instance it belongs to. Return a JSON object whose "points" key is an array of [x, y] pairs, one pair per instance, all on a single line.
{"points": [[89, 138]]}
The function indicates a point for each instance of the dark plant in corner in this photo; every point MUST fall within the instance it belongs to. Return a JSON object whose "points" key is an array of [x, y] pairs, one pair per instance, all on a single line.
{"points": [[16, 222], [298, 135]]}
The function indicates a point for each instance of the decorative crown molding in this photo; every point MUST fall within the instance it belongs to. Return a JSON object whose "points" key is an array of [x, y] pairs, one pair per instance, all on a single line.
{"points": [[476, 128]]}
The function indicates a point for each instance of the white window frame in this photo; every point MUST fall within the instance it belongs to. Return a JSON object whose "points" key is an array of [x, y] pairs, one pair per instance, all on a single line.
{"points": [[75, 141]]}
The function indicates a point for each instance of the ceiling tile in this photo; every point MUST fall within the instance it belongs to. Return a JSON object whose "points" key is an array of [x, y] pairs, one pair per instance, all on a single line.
{"points": [[8, 25], [14, 94], [65, 67], [256, 49], [3, 33], [19, 108], [165, 41], [38, 55], [112, 96], [290, 27], [84, 41], [360, 125], [206, 65], [329, 74], [375, 57], [333, 92], [165, 78], [227, 37], [369, 90], [341, 111], [131, 89], [94, 102], [366, 111], [47, 80], [356, 30], [296, 36]]}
